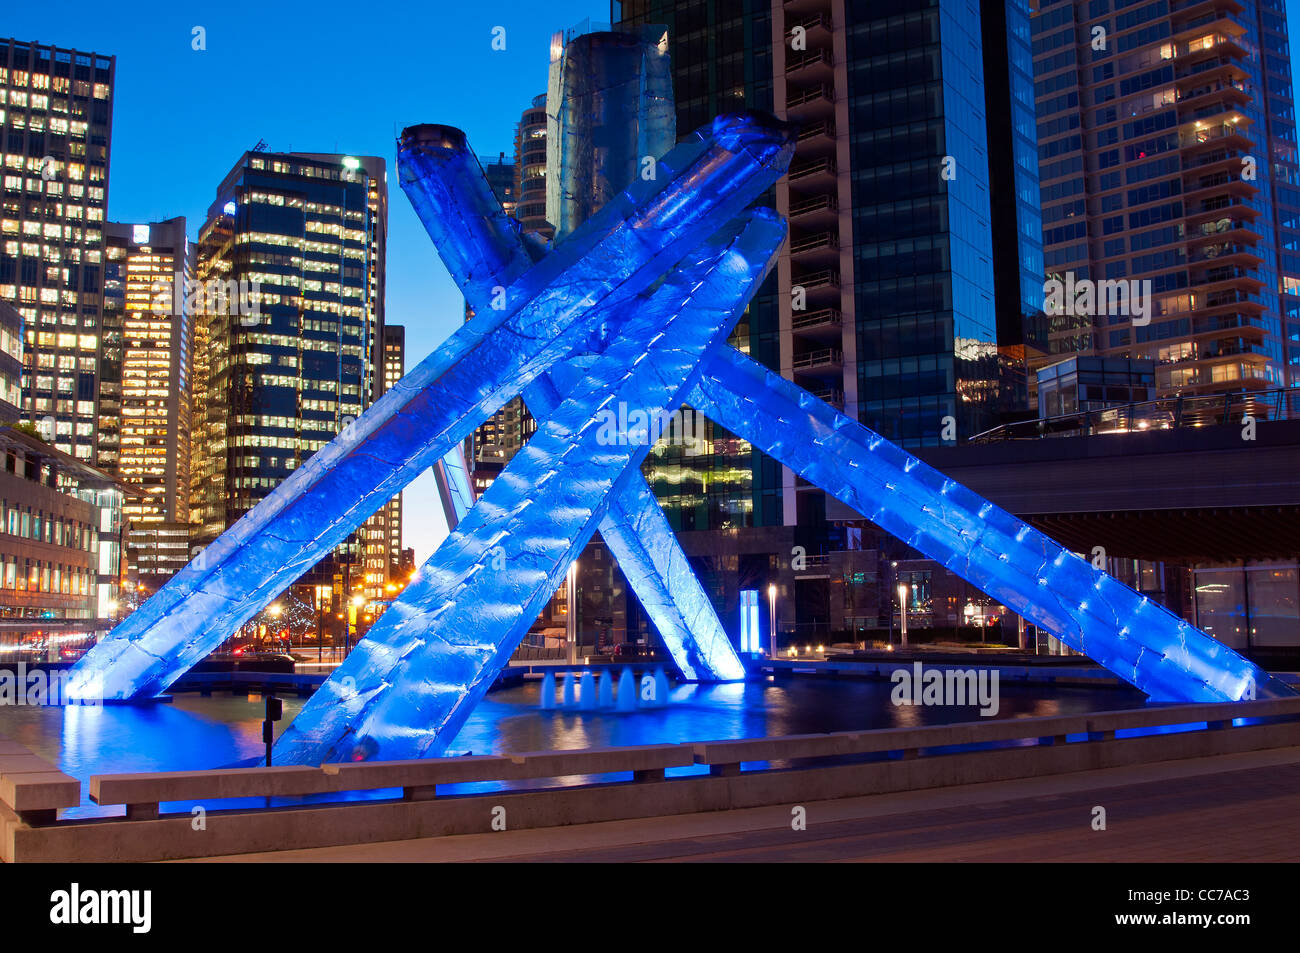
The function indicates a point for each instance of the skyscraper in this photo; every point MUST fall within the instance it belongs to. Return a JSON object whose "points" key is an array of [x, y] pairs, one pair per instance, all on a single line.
{"points": [[1168, 162], [56, 114], [289, 342], [530, 168], [145, 395], [907, 293], [394, 369]]}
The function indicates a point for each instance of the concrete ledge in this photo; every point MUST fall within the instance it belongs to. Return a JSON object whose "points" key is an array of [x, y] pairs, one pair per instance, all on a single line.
{"points": [[224, 783], [558, 764], [39, 791], [396, 774], [968, 733], [24, 764], [235, 832]]}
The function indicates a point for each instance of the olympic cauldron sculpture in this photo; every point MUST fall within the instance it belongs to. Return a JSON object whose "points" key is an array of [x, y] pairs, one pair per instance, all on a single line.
{"points": [[633, 308]]}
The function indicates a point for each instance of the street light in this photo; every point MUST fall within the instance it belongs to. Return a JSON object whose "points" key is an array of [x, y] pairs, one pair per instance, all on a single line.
{"points": [[902, 609], [771, 602], [570, 614], [893, 575], [276, 609]]}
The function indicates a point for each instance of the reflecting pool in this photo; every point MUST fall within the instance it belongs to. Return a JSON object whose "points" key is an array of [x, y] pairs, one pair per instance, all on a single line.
{"points": [[194, 733]]}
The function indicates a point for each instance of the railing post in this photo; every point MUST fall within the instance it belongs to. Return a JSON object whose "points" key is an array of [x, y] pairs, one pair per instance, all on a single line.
{"points": [[142, 812]]}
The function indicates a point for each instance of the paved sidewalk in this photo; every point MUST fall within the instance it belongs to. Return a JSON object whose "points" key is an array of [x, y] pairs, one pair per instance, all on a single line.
{"points": [[1240, 807]]}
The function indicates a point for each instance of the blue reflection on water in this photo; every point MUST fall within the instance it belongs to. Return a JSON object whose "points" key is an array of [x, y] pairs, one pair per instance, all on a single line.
{"points": [[195, 733]]}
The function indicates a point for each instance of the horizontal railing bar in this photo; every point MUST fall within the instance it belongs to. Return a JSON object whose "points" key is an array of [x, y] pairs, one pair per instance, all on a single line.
{"points": [[648, 761]]}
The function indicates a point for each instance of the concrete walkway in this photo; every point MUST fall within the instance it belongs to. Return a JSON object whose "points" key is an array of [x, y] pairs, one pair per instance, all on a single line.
{"points": [[1238, 807]]}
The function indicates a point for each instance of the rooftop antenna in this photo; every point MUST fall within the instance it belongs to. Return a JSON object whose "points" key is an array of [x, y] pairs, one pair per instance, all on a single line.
{"points": [[261, 146]]}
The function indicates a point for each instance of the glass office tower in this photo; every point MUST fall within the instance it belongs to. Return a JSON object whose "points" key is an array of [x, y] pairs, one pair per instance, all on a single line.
{"points": [[144, 380], [290, 266], [909, 292], [56, 116]]}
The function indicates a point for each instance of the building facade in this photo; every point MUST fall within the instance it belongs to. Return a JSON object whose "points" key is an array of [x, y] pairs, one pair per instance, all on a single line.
{"points": [[56, 115], [530, 168], [908, 293], [145, 394], [394, 370], [288, 343], [61, 548], [1167, 154], [11, 362]]}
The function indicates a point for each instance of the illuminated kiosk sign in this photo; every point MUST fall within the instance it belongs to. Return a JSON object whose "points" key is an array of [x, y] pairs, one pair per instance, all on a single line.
{"points": [[633, 306], [750, 641]]}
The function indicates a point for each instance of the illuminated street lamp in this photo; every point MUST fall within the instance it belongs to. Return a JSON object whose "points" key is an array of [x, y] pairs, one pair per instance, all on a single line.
{"points": [[570, 612], [902, 609], [771, 602], [275, 609]]}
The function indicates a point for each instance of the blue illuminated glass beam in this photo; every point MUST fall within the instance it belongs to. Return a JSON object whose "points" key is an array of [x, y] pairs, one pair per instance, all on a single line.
{"points": [[410, 684], [1137, 639], [551, 307], [484, 256]]}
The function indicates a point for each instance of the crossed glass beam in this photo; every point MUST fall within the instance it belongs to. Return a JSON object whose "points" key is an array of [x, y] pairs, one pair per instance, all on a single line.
{"points": [[633, 307]]}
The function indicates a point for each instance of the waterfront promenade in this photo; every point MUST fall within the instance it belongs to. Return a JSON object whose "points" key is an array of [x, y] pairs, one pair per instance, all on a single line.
{"points": [[1229, 808]]}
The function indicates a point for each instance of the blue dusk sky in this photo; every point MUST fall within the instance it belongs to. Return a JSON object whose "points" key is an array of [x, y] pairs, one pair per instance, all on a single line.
{"points": [[318, 77]]}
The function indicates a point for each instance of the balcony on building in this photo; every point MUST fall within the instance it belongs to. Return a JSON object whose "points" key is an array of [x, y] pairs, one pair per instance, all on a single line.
{"points": [[813, 173], [822, 362], [802, 8], [1207, 188], [821, 289], [811, 104], [815, 213], [824, 325], [831, 395], [818, 250], [810, 66]]}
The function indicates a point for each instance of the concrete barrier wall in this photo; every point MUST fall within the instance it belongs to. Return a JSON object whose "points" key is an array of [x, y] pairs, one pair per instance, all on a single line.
{"points": [[422, 814]]}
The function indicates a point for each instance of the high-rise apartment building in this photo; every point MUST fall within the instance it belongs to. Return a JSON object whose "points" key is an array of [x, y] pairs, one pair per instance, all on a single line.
{"points": [[289, 340], [1167, 146], [145, 396], [530, 168], [56, 114]]}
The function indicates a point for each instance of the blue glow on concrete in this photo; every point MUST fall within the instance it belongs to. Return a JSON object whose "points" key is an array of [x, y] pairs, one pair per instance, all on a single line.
{"points": [[1138, 640], [562, 302]]}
